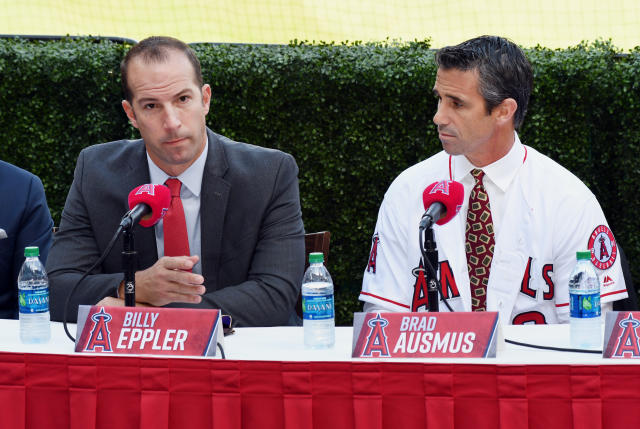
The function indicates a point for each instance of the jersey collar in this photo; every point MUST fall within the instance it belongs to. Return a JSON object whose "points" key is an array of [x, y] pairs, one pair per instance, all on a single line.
{"points": [[500, 172]]}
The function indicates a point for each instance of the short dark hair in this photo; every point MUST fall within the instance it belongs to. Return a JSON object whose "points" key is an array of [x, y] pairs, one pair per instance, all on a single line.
{"points": [[156, 49], [503, 70]]}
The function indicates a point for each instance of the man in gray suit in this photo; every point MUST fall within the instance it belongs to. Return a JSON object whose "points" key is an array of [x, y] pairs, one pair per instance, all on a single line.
{"points": [[241, 205]]}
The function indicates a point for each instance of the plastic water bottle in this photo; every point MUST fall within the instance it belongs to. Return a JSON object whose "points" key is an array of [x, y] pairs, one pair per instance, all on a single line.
{"points": [[317, 304], [584, 303], [33, 299]]}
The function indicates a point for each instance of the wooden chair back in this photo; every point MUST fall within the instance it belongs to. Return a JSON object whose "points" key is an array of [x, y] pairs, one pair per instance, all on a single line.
{"points": [[316, 242]]}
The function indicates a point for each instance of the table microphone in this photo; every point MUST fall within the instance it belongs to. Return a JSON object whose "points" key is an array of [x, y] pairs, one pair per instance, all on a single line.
{"points": [[442, 201], [148, 204]]}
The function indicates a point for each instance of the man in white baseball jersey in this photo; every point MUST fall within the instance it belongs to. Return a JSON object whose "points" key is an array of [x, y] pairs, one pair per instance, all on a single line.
{"points": [[514, 250]]}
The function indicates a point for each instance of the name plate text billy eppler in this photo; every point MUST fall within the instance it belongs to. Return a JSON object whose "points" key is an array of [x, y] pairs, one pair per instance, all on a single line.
{"points": [[148, 330]]}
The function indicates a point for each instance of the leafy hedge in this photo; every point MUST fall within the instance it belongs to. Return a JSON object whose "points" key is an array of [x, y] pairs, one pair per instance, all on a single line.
{"points": [[353, 117]]}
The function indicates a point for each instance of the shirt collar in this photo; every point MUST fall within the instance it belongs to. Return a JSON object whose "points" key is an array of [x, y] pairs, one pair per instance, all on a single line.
{"points": [[191, 178], [500, 172]]}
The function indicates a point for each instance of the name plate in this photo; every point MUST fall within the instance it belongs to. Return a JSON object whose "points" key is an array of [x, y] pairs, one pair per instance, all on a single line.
{"points": [[425, 335], [622, 335], [147, 330]]}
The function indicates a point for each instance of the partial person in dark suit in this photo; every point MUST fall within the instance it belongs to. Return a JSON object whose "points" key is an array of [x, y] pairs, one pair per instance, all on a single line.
{"points": [[241, 205], [24, 221]]}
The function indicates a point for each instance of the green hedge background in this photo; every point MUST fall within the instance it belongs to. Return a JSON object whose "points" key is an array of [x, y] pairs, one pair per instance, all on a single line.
{"points": [[353, 116]]}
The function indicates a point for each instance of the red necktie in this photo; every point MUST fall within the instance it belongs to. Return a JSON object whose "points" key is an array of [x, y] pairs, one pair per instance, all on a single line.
{"points": [[176, 240], [479, 242]]}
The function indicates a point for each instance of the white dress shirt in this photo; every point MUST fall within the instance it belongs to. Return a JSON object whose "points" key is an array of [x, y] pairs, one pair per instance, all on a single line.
{"points": [[497, 178], [191, 180]]}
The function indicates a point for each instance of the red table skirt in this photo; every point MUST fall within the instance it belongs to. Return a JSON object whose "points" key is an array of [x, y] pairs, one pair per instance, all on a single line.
{"points": [[85, 392]]}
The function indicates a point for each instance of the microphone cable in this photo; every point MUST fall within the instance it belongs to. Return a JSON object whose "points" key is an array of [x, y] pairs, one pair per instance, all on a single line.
{"points": [[73, 289], [222, 355], [557, 349]]}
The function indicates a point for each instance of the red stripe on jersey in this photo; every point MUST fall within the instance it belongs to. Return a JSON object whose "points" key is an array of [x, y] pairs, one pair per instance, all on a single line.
{"points": [[613, 293], [603, 295], [384, 299]]}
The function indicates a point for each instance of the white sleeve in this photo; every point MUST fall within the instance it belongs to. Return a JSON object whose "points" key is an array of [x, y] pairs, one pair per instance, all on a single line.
{"points": [[584, 228], [370, 307], [386, 283]]}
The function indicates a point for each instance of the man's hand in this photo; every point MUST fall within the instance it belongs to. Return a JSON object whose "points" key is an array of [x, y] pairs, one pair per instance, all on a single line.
{"points": [[166, 281], [111, 301]]}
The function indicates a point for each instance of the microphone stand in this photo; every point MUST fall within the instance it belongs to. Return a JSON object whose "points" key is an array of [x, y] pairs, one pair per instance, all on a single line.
{"points": [[129, 256], [430, 255]]}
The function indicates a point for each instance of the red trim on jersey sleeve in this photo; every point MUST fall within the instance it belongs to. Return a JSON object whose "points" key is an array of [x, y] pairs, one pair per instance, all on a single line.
{"points": [[613, 293], [601, 296], [525, 154], [384, 299]]}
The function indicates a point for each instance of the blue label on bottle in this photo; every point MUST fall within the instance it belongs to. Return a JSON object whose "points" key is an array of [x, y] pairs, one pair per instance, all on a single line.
{"points": [[584, 306], [33, 300], [317, 307]]}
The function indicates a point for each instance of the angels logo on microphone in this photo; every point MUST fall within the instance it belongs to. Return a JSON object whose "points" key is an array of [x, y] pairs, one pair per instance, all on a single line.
{"points": [[371, 265], [442, 187], [603, 247], [100, 336], [146, 189], [628, 339], [377, 339]]}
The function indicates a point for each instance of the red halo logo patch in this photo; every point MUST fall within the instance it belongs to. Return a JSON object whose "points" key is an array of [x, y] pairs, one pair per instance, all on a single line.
{"points": [[603, 247]]}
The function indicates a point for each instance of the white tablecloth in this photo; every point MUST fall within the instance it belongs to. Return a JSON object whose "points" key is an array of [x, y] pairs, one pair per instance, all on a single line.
{"points": [[286, 344]]}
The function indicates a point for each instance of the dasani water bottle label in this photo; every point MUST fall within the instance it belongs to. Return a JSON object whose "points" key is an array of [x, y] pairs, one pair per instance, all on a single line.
{"points": [[318, 307], [585, 306], [34, 301]]}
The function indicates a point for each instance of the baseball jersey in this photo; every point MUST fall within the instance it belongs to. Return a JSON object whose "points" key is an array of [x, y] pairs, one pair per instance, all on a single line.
{"points": [[542, 215]]}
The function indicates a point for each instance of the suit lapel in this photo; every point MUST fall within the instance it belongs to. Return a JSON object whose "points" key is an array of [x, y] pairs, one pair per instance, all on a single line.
{"points": [[213, 208]]}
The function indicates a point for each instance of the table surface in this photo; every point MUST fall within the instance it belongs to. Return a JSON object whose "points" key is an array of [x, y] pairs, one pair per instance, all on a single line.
{"points": [[286, 344]]}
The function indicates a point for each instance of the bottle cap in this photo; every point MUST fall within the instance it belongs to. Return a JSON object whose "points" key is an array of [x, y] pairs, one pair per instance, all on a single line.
{"points": [[583, 254], [31, 251], [316, 257]]}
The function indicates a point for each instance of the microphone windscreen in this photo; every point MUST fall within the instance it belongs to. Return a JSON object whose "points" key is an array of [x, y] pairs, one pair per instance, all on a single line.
{"points": [[157, 197], [448, 192]]}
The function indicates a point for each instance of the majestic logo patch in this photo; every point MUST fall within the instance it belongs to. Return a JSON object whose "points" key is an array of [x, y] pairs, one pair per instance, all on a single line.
{"points": [[607, 281], [603, 247], [371, 265]]}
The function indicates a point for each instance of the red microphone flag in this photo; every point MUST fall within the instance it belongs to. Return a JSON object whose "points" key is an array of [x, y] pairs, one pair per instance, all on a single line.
{"points": [[157, 197], [448, 192]]}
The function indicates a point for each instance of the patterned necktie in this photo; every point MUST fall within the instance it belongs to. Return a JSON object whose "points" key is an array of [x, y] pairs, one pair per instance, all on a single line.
{"points": [[479, 242], [176, 240]]}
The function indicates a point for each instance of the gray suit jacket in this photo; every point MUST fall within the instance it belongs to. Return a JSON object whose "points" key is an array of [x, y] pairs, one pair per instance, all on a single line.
{"points": [[251, 230]]}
